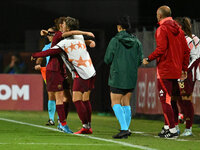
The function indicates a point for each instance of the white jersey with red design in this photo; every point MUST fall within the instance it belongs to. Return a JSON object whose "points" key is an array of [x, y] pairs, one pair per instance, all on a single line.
{"points": [[194, 46], [78, 56]]}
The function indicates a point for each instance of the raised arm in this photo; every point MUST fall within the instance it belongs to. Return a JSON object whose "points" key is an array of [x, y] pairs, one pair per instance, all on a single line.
{"points": [[77, 32]]}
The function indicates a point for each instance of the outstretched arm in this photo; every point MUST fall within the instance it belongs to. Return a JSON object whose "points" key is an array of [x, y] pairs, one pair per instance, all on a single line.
{"points": [[49, 52], [76, 32]]}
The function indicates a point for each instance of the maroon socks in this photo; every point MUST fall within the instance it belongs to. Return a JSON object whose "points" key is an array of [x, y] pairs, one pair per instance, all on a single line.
{"points": [[188, 113], [82, 111], [66, 108], [89, 109], [61, 112]]}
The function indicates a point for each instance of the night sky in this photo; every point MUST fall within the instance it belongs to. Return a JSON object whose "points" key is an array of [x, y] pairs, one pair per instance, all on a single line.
{"points": [[20, 16]]}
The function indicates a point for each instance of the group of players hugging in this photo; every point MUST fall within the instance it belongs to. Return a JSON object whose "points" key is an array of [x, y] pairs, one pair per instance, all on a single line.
{"points": [[69, 59]]}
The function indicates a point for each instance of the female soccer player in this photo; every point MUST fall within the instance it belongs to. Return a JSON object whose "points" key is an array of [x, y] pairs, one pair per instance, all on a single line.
{"points": [[187, 86]]}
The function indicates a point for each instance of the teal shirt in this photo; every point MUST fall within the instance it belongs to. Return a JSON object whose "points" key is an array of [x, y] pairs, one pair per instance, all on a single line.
{"points": [[124, 54]]}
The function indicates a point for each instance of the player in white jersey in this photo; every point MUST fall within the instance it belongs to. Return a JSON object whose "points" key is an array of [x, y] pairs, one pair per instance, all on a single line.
{"points": [[186, 87]]}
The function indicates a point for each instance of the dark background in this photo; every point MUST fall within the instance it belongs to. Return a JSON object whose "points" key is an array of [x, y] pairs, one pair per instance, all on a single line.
{"points": [[19, 17], [21, 21]]}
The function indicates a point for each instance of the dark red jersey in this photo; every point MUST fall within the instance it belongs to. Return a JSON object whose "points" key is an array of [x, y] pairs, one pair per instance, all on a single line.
{"points": [[56, 62]]}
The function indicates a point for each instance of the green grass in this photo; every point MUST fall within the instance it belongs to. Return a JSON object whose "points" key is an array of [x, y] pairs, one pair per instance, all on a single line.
{"points": [[14, 136]]}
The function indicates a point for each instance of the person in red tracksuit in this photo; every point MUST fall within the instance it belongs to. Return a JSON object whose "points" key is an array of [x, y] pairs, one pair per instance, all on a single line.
{"points": [[172, 56]]}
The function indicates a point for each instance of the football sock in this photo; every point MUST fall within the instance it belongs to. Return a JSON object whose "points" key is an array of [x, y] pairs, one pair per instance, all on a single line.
{"points": [[89, 109], [51, 109], [119, 113], [168, 114], [61, 112], [189, 113], [166, 127], [66, 107], [81, 110], [127, 112]]}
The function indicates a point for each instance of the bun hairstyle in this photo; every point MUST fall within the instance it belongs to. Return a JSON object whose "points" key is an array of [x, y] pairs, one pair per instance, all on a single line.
{"points": [[125, 23], [185, 24]]}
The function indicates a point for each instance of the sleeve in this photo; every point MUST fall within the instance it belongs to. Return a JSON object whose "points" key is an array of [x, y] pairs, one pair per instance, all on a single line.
{"points": [[110, 51], [161, 42], [56, 39], [140, 54], [49, 52]]}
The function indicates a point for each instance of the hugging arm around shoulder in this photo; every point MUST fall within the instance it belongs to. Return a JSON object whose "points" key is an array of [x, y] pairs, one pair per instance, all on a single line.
{"points": [[49, 52]]}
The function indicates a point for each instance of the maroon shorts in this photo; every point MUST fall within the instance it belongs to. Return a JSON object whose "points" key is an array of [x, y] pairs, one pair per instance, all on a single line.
{"points": [[187, 86], [82, 85], [56, 81]]}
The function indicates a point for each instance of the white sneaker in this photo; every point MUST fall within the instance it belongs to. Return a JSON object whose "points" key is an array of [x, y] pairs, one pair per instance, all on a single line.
{"points": [[187, 132]]}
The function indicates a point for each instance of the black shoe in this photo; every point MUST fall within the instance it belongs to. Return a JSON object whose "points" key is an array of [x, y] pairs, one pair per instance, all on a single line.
{"points": [[170, 135], [129, 134], [50, 123], [163, 132], [123, 134]]}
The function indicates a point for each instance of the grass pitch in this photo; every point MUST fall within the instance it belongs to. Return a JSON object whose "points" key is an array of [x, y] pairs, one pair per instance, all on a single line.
{"points": [[27, 131]]}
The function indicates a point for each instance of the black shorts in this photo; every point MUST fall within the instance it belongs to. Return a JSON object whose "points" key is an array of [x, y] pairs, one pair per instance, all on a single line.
{"points": [[120, 91]]}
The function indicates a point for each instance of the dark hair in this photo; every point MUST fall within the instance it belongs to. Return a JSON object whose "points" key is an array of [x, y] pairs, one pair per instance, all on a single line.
{"points": [[125, 23], [72, 23], [58, 21], [52, 33], [185, 24]]}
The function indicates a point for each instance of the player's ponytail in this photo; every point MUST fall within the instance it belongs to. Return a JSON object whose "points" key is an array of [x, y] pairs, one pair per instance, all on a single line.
{"points": [[185, 24]]}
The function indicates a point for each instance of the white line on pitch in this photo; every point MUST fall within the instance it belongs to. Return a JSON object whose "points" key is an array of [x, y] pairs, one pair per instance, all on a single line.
{"points": [[145, 134], [91, 137], [60, 144]]}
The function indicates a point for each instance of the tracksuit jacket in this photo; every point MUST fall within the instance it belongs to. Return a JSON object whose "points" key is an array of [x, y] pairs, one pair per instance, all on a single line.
{"points": [[124, 54], [172, 52]]}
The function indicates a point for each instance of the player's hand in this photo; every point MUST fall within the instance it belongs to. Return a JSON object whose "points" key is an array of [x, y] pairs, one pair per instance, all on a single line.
{"points": [[183, 75], [32, 58], [145, 62], [43, 32], [37, 67], [90, 34], [92, 44]]}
